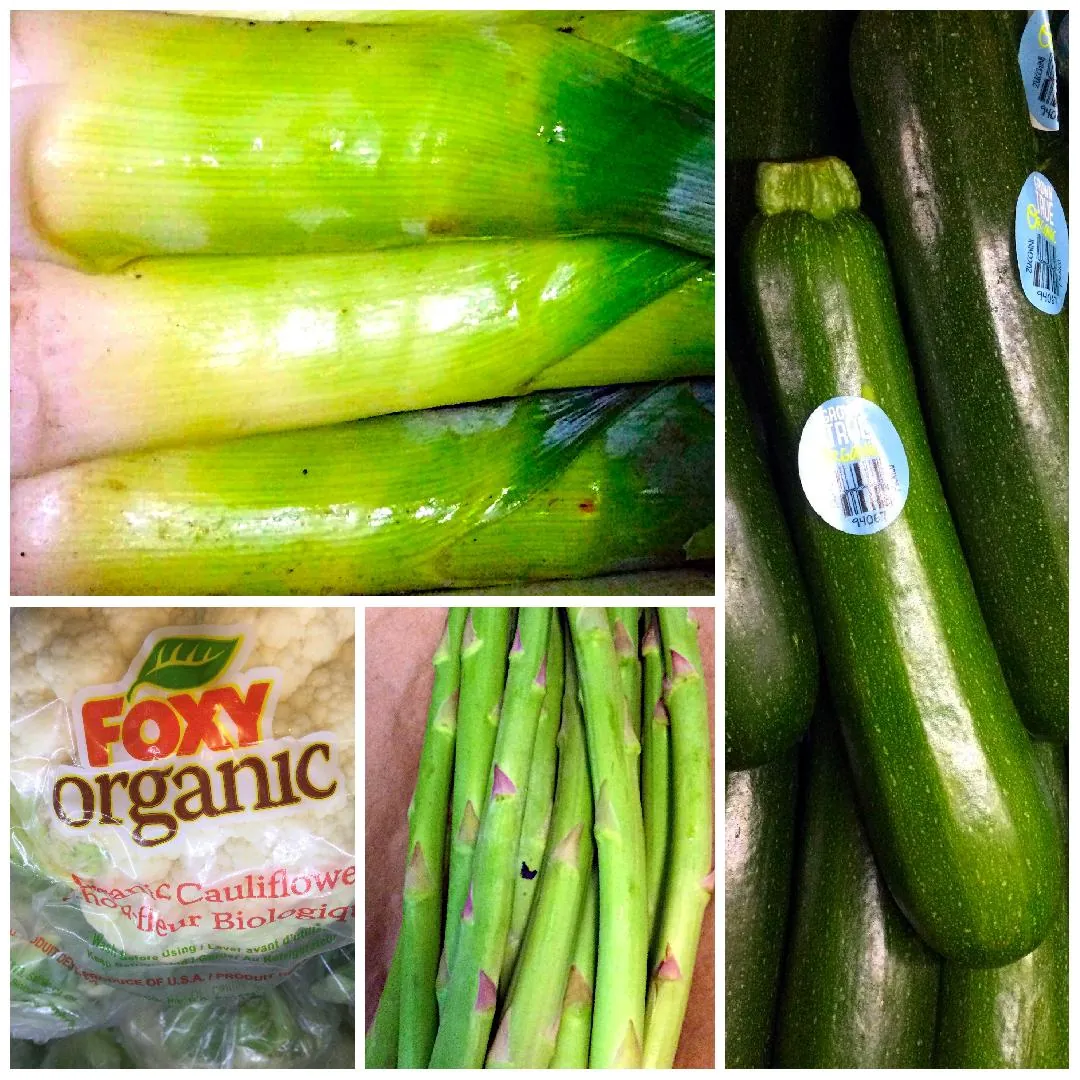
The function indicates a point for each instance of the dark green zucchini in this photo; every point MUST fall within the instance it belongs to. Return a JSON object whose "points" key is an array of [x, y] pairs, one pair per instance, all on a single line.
{"points": [[786, 97], [770, 655], [759, 839], [859, 988], [1017, 1016], [942, 764], [945, 118]]}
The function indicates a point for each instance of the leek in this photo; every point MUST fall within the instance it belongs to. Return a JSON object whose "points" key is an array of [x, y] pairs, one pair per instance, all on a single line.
{"points": [[171, 135], [670, 338], [550, 486], [169, 351], [678, 43]]}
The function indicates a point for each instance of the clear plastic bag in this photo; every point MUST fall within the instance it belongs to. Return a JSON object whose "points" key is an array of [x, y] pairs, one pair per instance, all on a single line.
{"points": [[182, 807]]}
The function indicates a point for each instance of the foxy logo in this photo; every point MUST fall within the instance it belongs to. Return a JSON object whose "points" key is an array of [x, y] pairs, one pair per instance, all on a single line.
{"points": [[183, 694], [184, 740]]}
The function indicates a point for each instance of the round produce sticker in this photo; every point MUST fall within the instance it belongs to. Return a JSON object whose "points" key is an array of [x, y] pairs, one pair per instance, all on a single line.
{"points": [[1042, 244], [852, 465]]}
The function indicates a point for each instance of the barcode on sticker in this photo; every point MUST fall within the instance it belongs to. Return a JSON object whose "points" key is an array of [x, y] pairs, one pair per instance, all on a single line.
{"points": [[1046, 269], [1048, 87], [864, 487]]}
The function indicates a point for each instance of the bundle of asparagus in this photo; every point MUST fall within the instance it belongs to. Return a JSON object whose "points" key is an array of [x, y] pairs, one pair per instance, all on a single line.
{"points": [[560, 845]]}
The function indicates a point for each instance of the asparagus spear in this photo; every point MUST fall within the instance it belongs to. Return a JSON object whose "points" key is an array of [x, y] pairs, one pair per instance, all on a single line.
{"points": [[476, 959], [538, 804], [655, 776], [689, 881], [624, 629], [381, 1044], [575, 1028], [530, 1019], [483, 672], [622, 962], [421, 926]]}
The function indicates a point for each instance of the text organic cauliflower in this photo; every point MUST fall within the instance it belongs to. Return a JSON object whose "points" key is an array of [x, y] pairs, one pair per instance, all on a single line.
{"points": [[182, 790]]}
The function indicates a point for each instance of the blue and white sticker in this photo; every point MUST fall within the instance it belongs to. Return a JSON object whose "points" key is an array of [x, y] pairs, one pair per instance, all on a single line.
{"points": [[852, 466], [1039, 72], [1042, 244]]}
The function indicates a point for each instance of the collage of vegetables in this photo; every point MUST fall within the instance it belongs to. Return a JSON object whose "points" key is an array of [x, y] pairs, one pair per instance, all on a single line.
{"points": [[352, 354]]}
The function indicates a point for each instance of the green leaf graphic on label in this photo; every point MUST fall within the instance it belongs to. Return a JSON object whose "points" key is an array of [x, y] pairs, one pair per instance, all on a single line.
{"points": [[185, 663]]}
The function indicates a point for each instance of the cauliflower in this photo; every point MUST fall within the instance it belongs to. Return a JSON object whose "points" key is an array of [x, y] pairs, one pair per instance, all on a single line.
{"points": [[57, 652]]}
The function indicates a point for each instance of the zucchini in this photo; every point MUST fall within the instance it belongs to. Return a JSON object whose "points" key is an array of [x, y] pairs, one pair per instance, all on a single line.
{"points": [[1017, 1016], [859, 989], [992, 367], [169, 135], [770, 655], [942, 764], [759, 841]]}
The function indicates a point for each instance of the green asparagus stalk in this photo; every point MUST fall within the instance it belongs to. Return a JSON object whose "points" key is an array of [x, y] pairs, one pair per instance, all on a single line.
{"points": [[575, 1028], [476, 958], [622, 962], [381, 1044], [550, 486], [688, 885], [624, 630], [655, 776], [539, 796], [172, 135], [483, 674], [421, 926], [531, 1014], [174, 351]]}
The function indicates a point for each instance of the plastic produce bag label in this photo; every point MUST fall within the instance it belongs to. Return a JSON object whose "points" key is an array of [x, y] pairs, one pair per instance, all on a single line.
{"points": [[1039, 72], [1042, 244], [193, 829], [852, 466]]}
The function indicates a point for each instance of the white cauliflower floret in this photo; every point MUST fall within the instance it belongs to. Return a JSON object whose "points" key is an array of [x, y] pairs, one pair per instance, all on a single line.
{"points": [[296, 640], [58, 651]]}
